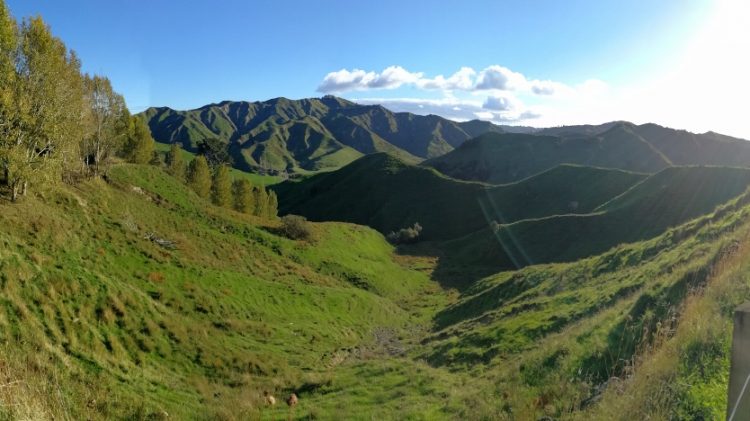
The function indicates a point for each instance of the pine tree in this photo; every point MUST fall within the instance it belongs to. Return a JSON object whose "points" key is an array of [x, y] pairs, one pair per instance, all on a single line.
{"points": [[139, 146], [221, 193], [199, 176], [272, 209], [261, 201], [175, 162], [243, 196]]}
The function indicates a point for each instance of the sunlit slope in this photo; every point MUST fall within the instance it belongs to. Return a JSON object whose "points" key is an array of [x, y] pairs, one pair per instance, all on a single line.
{"points": [[387, 194], [557, 334], [125, 328], [664, 200]]}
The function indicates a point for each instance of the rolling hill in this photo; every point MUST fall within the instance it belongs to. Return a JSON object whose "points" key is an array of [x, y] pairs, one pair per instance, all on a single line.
{"points": [[387, 194], [503, 158], [666, 199], [310, 134]]}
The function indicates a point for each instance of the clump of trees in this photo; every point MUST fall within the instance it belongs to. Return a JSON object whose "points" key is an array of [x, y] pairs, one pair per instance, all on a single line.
{"points": [[405, 235], [215, 182], [57, 123], [295, 227]]}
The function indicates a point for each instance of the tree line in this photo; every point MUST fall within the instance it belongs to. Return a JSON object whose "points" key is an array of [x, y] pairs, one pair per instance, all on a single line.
{"points": [[210, 178], [55, 121]]}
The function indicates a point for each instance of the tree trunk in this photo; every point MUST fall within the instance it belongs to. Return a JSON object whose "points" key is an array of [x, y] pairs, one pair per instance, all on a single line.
{"points": [[24, 188], [14, 192]]}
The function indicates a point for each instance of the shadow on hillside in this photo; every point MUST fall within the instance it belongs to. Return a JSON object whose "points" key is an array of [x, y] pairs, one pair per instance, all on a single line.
{"points": [[449, 272]]}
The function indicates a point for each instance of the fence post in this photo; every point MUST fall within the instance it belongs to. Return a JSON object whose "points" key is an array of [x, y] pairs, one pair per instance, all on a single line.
{"points": [[738, 404]]}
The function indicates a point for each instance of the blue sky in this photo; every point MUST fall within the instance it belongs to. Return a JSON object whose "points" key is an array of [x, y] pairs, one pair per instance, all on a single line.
{"points": [[552, 62]]}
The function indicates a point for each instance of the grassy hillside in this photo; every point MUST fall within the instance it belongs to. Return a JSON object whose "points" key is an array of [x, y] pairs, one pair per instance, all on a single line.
{"points": [[387, 194], [502, 158], [642, 330], [663, 200], [123, 327], [310, 134], [97, 321]]}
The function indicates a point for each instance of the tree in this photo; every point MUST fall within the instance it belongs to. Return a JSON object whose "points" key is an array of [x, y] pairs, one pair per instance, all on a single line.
{"points": [[175, 162], [243, 196], [273, 205], [139, 145], [405, 235], [43, 107], [216, 151], [261, 201], [108, 119], [199, 176], [221, 193]]}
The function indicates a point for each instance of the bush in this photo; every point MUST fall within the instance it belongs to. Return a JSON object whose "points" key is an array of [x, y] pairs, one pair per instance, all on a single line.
{"points": [[295, 227], [405, 235]]}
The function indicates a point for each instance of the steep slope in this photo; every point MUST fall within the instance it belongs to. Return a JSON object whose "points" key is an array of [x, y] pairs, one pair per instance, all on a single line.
{"points": [[504, 158], [664, 200], [267, 135], [387, 194], [648, 325]]}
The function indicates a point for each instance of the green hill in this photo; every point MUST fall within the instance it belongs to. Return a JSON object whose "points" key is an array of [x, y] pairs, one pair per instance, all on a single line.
{"points": [[664, 200], [503, 158], [388, 194], [283, 135]]}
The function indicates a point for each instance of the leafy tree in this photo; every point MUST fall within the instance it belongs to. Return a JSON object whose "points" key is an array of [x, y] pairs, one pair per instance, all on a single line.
{"points": [[243, 196], [176, 162], [42, 106], [261, 201], [107, 120], [272, 209], [139, 146], [221, 193], [216, 151], [199, 176]]}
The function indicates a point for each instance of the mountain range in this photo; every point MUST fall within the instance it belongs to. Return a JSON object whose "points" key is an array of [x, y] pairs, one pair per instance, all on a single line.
{"points": [[299, 136]]}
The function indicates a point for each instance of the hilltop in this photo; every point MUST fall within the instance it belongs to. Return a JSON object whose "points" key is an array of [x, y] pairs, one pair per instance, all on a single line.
{"points": [[387, 194], [310, 134], [502, 158]]}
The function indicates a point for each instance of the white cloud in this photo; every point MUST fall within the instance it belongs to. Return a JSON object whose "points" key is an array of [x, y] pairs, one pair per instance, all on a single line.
{"points": [[356, 80], [463, 80], [500, 78], [493, 78], [499, 103], [456, 109]]}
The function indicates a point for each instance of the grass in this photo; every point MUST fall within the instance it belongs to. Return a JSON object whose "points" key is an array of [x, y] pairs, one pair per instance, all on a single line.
{"points": [[388, 194], [98, 322]]}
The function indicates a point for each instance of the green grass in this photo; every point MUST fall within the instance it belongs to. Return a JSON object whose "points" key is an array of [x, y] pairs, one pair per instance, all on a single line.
{"points": [[98, 322], [388, 194]]}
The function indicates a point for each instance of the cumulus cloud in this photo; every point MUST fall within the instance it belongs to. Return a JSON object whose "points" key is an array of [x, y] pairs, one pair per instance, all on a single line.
{"points": [[499, 103], [356, 80], [500, 78], [493, 78], [463, 80], [455, 109]]}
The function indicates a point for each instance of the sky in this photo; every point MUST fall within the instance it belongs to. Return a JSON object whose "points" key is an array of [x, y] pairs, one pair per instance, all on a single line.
{"points": [[679, 63]]}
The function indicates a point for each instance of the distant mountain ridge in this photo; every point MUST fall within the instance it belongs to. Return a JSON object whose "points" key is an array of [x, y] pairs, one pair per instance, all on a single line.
{"points": [[508, 157], [311, 134]]}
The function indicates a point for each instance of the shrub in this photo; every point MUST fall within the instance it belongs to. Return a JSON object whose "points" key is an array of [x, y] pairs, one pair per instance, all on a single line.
{"points": [[295, 227], [405, 235]]}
